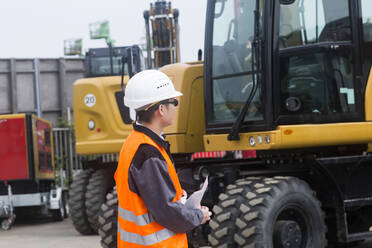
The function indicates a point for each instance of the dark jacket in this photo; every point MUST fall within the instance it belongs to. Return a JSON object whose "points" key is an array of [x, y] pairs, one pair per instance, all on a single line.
{"points": [[149, 178]]}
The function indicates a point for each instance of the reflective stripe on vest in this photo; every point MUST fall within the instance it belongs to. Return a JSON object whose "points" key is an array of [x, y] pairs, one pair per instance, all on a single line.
{"points": [[150, 239], [131, 217]]}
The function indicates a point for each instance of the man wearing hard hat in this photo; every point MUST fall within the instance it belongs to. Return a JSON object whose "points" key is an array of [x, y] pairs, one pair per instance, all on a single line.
{"points": [[151, 211]]}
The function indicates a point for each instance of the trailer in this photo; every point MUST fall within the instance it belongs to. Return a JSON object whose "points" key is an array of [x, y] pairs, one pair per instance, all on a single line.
{"points": [[27, 169]]}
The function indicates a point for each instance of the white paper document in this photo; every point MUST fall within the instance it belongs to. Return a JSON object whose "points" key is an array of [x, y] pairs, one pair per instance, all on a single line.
{"points": [[194, 200]]}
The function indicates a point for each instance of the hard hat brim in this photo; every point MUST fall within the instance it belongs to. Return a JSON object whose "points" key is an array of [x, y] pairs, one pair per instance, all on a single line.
{"points": [[139, 104]]}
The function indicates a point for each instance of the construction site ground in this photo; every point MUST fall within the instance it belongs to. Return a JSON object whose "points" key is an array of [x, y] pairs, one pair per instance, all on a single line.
{"points": [[43, 232]]}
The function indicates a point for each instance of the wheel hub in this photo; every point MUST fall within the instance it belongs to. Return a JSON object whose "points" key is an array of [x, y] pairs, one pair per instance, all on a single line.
{"points": [[287, 234]]}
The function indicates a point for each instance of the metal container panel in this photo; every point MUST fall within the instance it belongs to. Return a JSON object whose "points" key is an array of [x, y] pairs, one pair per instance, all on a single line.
{"points": [[13, 148]]}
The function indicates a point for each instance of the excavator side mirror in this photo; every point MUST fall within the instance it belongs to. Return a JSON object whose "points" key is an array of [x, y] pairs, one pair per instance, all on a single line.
{"points": [[200, 55]]}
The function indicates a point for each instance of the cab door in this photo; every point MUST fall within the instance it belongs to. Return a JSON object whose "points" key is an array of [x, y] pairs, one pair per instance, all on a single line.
{"points": [[317, 74], [231, 63]]}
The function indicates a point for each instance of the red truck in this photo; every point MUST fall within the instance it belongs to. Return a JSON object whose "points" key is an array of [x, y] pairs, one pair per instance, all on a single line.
{"points": [[27, 170]]}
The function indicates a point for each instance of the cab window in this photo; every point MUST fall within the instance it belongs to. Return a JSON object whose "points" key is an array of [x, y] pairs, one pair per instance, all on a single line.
{"points": [[367, 19], [233, 32], [312, 21], [366, 12], [316, 53]]}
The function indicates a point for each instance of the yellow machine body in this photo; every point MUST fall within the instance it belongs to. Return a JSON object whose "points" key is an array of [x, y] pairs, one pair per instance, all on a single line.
{"points": [[109, 132], [187, 133], [301, 136]]}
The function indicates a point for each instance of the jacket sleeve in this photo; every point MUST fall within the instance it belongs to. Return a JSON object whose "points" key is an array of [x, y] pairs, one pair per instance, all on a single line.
{"points": [[155, 187]]}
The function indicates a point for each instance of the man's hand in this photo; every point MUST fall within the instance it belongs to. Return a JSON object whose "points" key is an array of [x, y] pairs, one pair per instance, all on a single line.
{"points": [[184, 197], [206, 214]]}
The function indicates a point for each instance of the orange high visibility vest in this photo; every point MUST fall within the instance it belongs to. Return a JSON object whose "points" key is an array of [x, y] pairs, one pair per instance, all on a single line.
{"points": [[136, 226]]}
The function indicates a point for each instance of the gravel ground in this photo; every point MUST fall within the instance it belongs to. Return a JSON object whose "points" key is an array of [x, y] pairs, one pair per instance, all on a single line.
{"points": [[45, 233]]}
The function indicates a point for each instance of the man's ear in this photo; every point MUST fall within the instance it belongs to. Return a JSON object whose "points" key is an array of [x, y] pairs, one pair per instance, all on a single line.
{"points": [[161, 110]]}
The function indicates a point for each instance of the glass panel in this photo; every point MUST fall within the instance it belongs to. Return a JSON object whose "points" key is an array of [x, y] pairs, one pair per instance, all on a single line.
{"points": [[232, 35], [367, 19], [229, 96], [317, 84], [101, 66], [311, 21]]}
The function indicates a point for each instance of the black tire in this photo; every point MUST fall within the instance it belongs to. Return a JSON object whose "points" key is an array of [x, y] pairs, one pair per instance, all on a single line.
{"points": [[77, 203], [108, 220], [100, 183], [226, 212], [278, 206]]}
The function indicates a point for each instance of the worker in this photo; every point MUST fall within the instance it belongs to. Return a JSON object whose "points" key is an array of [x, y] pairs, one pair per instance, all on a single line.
{"points": [[151, 212]]}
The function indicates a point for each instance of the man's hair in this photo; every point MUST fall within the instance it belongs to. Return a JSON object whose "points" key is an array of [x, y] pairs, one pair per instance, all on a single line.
{"points": [[147, 115]]}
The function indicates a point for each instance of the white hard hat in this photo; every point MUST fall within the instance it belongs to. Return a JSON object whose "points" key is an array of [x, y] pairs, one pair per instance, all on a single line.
{"points": [[148, 87]]}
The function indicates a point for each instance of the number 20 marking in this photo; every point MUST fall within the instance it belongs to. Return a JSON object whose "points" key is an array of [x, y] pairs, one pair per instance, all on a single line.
{"points": [[90, 100]]}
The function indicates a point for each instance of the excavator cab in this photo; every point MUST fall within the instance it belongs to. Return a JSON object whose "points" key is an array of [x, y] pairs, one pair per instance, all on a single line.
{"points": [[290, 79], [290, 62]]}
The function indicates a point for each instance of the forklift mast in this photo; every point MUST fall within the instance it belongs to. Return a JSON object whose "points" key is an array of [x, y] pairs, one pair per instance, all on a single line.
{"points": [[163, 36]]}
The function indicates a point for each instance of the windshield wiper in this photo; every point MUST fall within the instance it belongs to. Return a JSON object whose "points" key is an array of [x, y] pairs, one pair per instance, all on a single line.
{"points": [[257, 42]]}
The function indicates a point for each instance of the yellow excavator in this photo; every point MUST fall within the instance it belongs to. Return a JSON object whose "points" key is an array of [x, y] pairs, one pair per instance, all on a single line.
{"points": [[289, 79]]}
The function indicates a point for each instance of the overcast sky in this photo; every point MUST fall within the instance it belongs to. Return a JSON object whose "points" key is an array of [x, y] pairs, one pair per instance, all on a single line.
{"points": [[37, 28]]}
